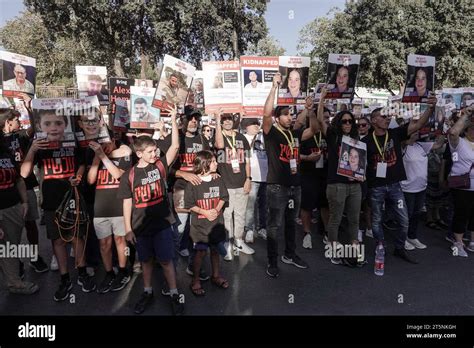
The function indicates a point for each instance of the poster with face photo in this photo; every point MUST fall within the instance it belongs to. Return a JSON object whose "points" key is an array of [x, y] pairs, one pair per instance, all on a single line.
{"points": [[88, 121], [196, 92], [92, 80], [52, 121], [257, 79], [352, 158], [222, 87], [24, 115], [294, 80], [342, 75], [142, 113], [457, 98], [122, 116], [420, 78], [175, 81], [120, 91], [18, 74]]}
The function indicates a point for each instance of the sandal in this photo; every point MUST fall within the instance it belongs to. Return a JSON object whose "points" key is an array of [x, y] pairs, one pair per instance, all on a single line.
{"points": [[198, 292], [220, 282]]}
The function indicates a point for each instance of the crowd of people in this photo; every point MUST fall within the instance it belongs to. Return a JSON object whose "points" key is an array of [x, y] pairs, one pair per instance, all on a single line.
{"points": [[153, 197]]}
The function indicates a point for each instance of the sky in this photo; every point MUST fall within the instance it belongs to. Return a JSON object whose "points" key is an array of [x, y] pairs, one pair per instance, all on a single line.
{"points": [[285, 18]]}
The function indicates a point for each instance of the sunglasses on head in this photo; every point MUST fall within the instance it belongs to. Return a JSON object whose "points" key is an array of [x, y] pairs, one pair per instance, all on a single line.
{"points": [[346, 121]]}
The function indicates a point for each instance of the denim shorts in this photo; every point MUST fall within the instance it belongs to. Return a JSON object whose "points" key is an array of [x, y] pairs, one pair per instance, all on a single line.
{"points": [[158, 244]]}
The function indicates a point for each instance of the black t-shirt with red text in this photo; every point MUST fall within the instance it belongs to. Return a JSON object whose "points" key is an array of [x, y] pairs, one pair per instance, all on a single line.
{"points": [[150, 203], [310, 146], [9, 174], [55, 168], [205, 196], [19, 143], [225, 156], [279, 155], [392, 156], [106, 189], [188, 148], [334, 147]]}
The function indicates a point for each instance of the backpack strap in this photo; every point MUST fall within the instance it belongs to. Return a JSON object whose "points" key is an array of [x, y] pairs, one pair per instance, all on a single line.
{"points": [[131, 177]]}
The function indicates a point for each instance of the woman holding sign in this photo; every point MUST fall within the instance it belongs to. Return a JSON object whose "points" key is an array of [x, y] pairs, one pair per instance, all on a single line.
{"points": [[343, 193]]}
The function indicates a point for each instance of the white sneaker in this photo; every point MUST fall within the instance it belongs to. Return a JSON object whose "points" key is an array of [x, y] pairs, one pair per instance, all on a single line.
{"points": [[416, 243], [299, 221], [242, 247], [458, 250], [54, 264], [470, 247], [249, 237], [409, 246], [307, 241], [262, 233], [360, 236], [230, 255], [184, 252], [369, 233]]}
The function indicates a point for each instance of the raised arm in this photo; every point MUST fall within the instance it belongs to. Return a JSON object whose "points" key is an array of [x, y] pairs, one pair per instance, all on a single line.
{"points": [[268, 108], [323, 126], [174, 148], [219, 138], [456, 130]]}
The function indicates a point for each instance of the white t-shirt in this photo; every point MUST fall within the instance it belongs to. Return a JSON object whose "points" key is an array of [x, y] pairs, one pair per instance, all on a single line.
{"points": [[415, 161], [463, 158], [258, 158]]}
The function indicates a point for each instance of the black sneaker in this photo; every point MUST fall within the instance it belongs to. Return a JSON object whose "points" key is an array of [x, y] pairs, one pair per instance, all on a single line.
{"points": [[87, 282], [176, 305], [295, 261], [104, 287], [144, 301], [63, 291], [401, 253], [203, 276], [39, 265], [272, 270], [21, 270], [120, 281]]}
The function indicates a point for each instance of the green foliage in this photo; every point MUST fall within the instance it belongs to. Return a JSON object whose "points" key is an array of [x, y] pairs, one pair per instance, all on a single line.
{"points": [[267, 46], [384, 32]]}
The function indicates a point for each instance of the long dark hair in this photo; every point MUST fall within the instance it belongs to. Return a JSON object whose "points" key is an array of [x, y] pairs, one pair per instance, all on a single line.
{"points": [[336, 124]]}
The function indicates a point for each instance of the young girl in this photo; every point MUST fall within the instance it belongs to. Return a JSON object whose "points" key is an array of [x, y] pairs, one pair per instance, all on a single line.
{"points": [[206, 202]]}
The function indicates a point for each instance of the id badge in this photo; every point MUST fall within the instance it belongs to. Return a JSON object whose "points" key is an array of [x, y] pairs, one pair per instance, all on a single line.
{"points": [[381, 170], [235, 166], [293, 166], [320, 162]]}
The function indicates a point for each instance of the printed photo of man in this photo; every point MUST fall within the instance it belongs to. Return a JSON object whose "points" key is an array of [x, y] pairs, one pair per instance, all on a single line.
{"points": [[19, 83]]}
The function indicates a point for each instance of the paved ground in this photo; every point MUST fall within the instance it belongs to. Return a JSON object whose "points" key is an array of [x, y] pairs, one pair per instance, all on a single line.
{"points": [[440, 285]]}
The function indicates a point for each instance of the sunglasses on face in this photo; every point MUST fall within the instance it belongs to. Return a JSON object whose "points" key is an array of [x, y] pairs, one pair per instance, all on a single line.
{"points": [[346, 121], [360, 125], [207, 130], [383, 116]]}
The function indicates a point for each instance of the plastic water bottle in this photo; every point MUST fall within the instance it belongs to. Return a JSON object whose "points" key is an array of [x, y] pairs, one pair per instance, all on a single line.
{"points": [[379, 260]]}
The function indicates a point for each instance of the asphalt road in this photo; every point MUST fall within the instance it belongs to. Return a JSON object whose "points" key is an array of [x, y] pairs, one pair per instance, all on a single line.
{"points": [[440, 285]]}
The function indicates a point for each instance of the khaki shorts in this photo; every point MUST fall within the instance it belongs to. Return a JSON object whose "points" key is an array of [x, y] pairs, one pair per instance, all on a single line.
{"points": [[106, 226]]}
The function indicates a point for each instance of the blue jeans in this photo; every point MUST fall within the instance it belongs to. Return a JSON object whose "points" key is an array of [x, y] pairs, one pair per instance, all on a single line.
{"points": [[255, 215], [391, 195], [415, 203], [283, 208]]}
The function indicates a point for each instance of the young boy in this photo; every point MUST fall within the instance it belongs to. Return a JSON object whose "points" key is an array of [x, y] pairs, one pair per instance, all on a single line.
{"points": [[147, 214], [206, 202]]}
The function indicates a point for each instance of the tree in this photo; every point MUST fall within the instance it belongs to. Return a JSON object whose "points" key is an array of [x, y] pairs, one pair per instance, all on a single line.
{"points": [[384, 32], [267, 46], [146, 29], [55, 58]]}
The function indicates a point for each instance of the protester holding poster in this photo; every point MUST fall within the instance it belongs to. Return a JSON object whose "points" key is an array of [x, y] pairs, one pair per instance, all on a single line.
{"points": [[52, 122], [257, 77], [222, 86], [343, 192], [92, 80], [143, 115], [295, 75], [19, 74], [420, 79], [342, 75], [175, 80], [352, 158]]}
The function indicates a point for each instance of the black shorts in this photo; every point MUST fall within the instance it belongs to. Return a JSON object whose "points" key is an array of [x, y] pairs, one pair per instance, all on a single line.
{"points": [[53, 231], [463, 210], [313, 192]]}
